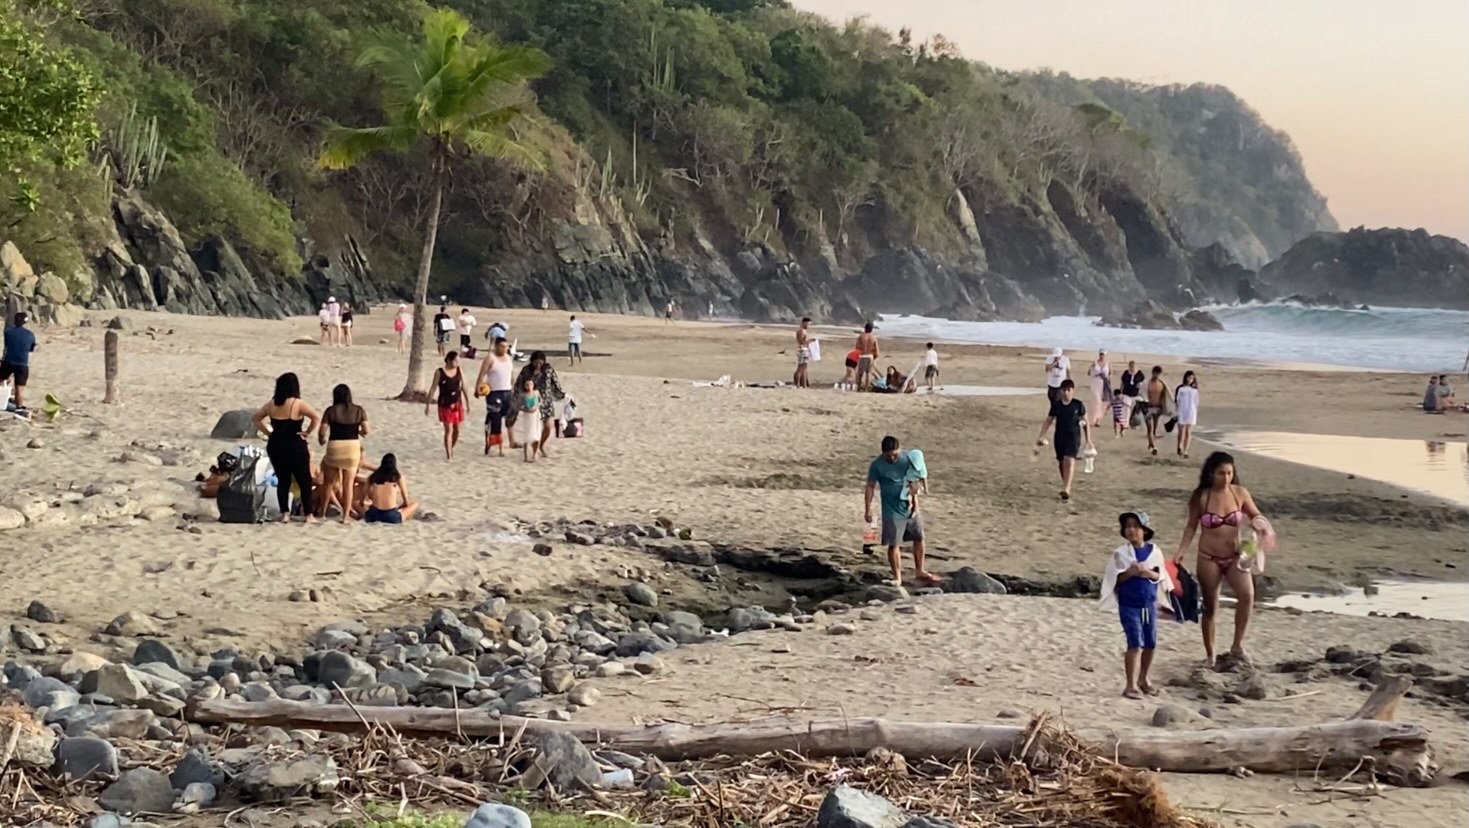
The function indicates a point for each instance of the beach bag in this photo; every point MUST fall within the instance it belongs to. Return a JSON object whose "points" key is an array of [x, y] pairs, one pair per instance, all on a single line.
{"points": [[574, 428], [1186, 599], [1138, 415], [242, 497], [1170, 425]]}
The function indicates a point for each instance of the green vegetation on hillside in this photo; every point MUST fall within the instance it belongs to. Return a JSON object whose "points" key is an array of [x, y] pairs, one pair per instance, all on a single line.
{"points": [[739, 120]]}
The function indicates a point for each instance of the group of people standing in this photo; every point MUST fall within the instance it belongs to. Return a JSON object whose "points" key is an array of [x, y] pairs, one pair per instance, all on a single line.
{"points": [[524, 406], [1138, 398], [288, 422], [861, 364], [336, 323]]}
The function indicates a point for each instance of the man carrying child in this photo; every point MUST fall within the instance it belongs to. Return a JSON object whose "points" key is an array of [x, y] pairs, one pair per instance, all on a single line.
{"points": [[899, 476]]}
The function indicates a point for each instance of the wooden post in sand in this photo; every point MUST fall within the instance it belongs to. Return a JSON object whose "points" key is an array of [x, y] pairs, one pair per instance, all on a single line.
{"points": [[109, 366]]}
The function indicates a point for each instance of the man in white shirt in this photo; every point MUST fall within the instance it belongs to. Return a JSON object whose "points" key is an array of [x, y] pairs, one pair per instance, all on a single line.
{"points": [[573, 339], [495, 377], [1058, 370], [930, 366], [466, 328], [334, 319]]}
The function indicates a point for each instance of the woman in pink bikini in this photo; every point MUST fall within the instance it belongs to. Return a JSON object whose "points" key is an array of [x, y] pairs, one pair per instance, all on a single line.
{"points": [[1217, 510]]}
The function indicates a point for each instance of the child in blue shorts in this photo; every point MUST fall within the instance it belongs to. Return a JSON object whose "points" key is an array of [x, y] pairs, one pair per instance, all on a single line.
{"points": [[1135, 580]]}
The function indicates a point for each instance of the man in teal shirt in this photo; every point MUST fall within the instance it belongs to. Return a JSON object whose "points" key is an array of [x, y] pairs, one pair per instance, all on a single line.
{"points": [[896, 476]]}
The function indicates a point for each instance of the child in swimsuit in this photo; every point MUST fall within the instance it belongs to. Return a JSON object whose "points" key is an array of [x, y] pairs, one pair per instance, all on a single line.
{"points": [[1119, 413]]}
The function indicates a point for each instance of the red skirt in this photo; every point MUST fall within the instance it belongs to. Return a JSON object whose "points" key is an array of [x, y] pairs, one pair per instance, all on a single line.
{"points": [[451, 415]]}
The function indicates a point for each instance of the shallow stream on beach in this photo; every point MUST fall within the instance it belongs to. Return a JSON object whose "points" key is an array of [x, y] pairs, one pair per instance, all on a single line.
{"points": [[1429, 599], [1433, 467]]}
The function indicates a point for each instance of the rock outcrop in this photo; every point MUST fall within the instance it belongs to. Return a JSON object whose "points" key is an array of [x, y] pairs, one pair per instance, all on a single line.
{"points": [[1150, 315], [1403, 268]]}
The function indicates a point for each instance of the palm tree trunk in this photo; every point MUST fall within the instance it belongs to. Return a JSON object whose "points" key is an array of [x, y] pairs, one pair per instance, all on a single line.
{"points": [[416, 389]]}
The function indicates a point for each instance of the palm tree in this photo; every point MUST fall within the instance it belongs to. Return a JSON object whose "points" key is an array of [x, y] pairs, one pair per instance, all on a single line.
{"points": [[447, 90]]}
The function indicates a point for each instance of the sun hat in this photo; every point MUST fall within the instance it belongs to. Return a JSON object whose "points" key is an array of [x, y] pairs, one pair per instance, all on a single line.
{"points": [[1142, 520]]}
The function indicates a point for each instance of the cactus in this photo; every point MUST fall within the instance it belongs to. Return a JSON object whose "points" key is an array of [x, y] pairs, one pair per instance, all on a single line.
{"points": [[137, 155]]}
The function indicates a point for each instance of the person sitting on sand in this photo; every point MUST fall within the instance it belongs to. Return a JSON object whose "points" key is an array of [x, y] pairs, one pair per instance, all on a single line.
{"points": [[1217, 509], [894, 474], [387, 494], [1135, 579], [1430, 397], [894, 381], [1445, 393]]}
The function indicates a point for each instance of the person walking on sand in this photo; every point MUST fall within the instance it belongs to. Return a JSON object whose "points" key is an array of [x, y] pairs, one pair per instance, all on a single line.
{"points": [[15, 364], [402, 323], [801, 379], [1058, 370], [930, 366], [1219, 507], [465, 324], [868, 353], [495, 379], [443, 326], [528, 419], [1186, 403], [1136, 581], [291, 421], [668, 313], [1157, 394], [1132, 388], [1100, 374], [1073, 431], [574, 334], [342, 428], [548, 391], [896, 476], [447, 389]]}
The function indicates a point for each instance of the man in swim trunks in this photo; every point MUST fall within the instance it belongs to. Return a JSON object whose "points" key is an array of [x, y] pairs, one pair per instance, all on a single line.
{"points": [[868, 354], [849, 379], [895, 475], [803, 354], [1157, 393]]}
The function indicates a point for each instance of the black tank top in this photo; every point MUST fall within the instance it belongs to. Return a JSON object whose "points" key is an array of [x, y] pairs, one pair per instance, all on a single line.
{"points": [[448, 389], [339, 428], [285, 434]]}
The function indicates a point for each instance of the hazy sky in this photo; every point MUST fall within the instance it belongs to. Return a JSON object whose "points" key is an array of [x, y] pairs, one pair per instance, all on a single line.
{"points": [[1375, 94]]}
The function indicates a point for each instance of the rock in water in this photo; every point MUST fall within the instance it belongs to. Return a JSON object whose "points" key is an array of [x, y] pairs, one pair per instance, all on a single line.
{"points": [[641, 594], [495, 815], [848, 807], [970, 580], [137, 791], [234, 425], [561, 761]]}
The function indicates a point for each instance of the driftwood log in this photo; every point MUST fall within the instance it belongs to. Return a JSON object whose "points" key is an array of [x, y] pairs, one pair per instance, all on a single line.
{"points": [[1397, 753]]}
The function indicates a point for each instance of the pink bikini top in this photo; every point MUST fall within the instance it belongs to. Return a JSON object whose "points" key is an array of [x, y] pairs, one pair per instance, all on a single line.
{"points": [[1209, 520]]}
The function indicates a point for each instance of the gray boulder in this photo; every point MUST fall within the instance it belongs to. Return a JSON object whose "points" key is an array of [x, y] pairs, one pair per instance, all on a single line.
{"points": [[267, 780], [151, 651], [561, 761], [85, 757], [341, 669], [848, 807], [641, 594], [970, 580], [140, 790], [234, 425]]}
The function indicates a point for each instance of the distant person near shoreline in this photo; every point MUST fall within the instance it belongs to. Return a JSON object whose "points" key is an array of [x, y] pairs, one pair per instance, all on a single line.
{"points": [[1058, 370], [868, 353], [1186, 403], [573, 340], [802, 379], [1157, 394], [930, 366]]}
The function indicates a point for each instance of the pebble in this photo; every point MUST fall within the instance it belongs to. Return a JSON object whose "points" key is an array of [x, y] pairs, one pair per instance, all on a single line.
{"points": [[584, 695], [35, 443], [27, 639], [85, 757], [140, 790], [132, 625], [609, 669], [841, 629], [641, 594], [495, 815], [649, 664], [42, 614], [557, 679]]}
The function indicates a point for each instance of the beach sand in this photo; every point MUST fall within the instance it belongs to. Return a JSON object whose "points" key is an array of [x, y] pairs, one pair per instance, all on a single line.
{"points": [[746, 466]]}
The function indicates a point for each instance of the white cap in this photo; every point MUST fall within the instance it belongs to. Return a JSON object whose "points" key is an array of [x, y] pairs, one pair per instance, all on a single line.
{"points": [[331, 299], [1055, 352], [1101, 350]]}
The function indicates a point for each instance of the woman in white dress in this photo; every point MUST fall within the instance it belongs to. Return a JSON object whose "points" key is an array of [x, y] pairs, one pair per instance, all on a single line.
{"points": [[1186, 403], [1101, 387]]}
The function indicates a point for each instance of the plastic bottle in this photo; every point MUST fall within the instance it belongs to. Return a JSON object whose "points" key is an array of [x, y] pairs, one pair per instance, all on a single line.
{"points": [[1089, 460]]}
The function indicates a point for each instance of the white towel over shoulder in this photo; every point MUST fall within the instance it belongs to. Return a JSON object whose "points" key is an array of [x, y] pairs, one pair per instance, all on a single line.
{"points": [[1123, 557]]}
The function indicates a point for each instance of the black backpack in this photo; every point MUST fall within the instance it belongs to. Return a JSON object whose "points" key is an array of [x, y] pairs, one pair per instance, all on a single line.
{"points": [[242, 499]]}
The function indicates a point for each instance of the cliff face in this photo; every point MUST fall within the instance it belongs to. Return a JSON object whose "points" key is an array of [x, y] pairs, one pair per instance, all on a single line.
{"points": [[1403, 268]]}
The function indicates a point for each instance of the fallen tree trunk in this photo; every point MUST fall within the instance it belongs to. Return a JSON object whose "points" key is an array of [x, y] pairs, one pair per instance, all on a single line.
{"points": [[1398, 752]]}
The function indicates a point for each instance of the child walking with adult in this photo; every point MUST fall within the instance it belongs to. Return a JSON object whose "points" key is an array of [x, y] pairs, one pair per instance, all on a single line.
{"points": [[528, 420], [447, 389], [1135, 580]]}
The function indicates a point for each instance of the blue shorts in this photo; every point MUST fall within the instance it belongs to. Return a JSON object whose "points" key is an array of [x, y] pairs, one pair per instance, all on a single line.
{"points": [[1141, 627], [376, 515]]}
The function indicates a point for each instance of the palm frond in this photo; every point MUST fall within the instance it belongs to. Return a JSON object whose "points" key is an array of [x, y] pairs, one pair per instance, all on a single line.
{"points": [[345, 146], [499, 145], [499, 64]]}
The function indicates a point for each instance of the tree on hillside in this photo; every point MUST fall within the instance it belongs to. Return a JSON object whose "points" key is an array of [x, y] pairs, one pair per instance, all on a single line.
{"points": [[449, 90]]}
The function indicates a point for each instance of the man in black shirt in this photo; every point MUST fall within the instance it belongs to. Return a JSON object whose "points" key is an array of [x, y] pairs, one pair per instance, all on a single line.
{"points": [[1072, 433], [443, 326]]}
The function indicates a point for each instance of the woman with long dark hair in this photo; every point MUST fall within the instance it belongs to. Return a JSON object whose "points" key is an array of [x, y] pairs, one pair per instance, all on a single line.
{"points": [[291, 421], [387, 494], [1186, 404], [547, 386], [1219, 508], [342, 428]]}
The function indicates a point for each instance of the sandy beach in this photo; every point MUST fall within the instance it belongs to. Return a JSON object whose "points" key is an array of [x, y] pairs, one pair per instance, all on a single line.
{"points": [[761, 468]]}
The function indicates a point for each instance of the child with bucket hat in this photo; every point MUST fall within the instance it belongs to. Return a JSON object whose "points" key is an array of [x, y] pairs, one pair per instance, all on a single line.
{"points": [[1136, 581]]}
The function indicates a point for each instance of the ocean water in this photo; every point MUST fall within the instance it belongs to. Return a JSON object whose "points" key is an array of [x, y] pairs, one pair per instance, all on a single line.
{"points": [[1394, 339]]}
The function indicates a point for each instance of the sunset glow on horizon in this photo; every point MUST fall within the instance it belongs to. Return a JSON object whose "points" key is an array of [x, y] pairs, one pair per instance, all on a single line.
{"points": [[1374, 95]]}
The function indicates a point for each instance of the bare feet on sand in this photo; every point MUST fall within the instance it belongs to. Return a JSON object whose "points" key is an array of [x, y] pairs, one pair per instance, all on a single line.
{"points": [[1132, 693], [928, 578]]}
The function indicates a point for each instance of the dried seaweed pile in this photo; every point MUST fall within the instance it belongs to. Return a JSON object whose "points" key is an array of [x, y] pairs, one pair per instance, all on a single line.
{"points": [[1055, 780]]}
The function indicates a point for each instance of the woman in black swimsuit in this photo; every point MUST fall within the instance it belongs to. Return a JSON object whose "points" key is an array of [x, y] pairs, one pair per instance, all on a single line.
{"points": [[346, 324], [291, 423]]}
